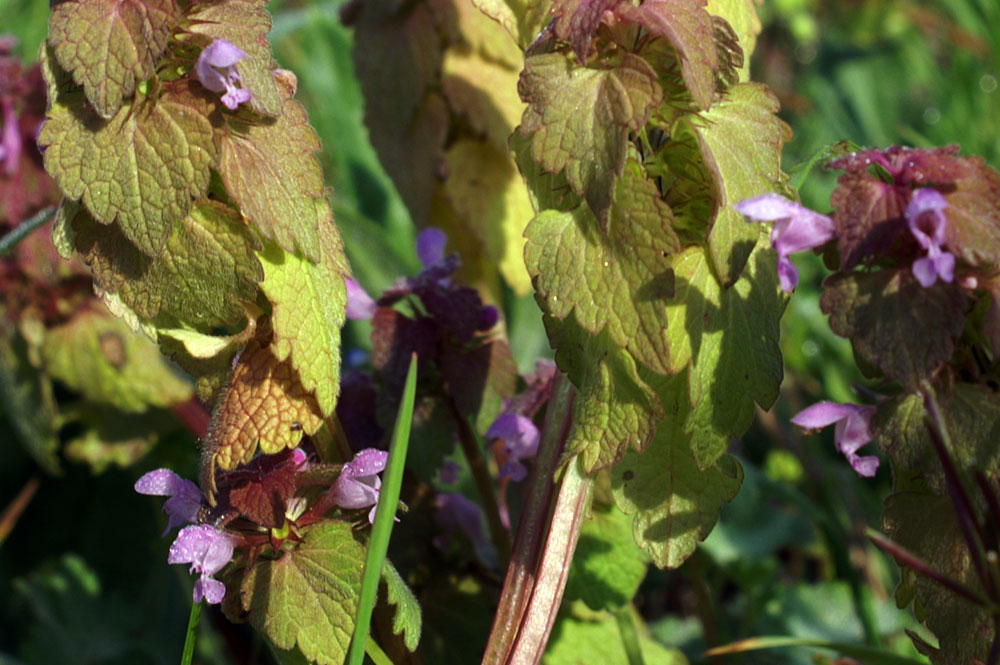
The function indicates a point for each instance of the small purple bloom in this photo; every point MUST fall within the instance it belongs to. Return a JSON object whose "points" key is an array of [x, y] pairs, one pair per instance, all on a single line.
{"points": [[10, 138], [208, 550], [430, 246], [929, 226], [796, 228], [358, 484], [216, 71], [488, 317], [853, 430], [455, 512], [185, 499], [448, 474], [520, 439], [360, 306]]}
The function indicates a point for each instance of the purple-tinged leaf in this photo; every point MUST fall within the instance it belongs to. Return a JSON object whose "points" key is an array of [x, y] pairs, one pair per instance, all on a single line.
{"points": [[111, 45], [577, 22]]}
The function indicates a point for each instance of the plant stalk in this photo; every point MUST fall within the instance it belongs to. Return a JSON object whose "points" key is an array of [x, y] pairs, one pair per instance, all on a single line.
{"points": [[24, 229]]}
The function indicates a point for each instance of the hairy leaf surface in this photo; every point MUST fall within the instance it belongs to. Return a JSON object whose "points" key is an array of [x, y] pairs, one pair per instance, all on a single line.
{"points": [[206, 270], [742, 16], [740, 141], [893, 322], [621, 280], [111, 45], [523, 19], [264, 403], [309, 301], [408, 620], [614, 408], [308, 598], [676, 501], [271, 171], [140, 169], [579, 118]]}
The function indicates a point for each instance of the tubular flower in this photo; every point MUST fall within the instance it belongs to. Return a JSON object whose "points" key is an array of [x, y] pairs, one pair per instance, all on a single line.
{"points": [[853, 430], [929, 226], [208, 550], [358, 484], [216, 71], [360, 306], [520, 439], [185, 499], [796, 228]]}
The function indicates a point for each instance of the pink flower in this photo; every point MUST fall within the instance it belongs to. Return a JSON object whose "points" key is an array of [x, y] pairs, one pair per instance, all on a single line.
{"points": [[185, 501], [796, 228], [853, 430], [929, 226], [358, 484], [520, 439], [216, 71], [360, 306], [430, 246], [10, 138], [208, 550]]}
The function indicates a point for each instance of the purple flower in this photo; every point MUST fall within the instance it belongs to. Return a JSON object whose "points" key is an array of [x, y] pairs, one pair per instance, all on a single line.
{"points": [[185, 499], [853, 430], [796, 228], [360, 306], [929, 226], [358, 484], [207, 550], [215, 70], [448, 473], [455, 512], [10, 138], [430, 246], [520, 439]]}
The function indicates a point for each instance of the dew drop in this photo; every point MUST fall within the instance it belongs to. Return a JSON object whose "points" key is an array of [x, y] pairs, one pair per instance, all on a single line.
{"points": [[605, 264], [932, 116], [988, 83]]}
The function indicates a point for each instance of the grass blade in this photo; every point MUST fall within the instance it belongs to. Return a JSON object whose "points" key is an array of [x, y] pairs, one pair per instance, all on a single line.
{"points": [[865, 654], [387, 501], [188, 653]]}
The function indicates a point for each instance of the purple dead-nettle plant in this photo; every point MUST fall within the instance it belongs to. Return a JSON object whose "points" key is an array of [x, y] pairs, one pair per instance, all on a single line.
{"points": [[216, 69], [930, 227], [520, 440], [358, 484], [208, 550], [203, 546], [852, 431], [796, 228], [360, 306]]}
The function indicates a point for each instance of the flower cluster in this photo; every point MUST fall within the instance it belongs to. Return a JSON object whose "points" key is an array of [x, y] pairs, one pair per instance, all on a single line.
{"points": [[216, 69]]}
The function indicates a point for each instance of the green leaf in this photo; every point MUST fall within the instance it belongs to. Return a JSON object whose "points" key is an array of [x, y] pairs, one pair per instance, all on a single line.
{"points": [[407, 124], [964, 631], [523, 19], [408, 620], [893, 322], [688, 27], [99, 356], [578, 641], [485, 190], [308, 301], [620, 281], [111, 437], [675, 501], [26, 397], [742, 16], [205, 272], [142, 168], [579, 119], [271, 172], [111, 45], [308, 597], [614, 408], [607, 566], [484, 92], [730, 339], [740, 141], [244, 23], [547, 191]]}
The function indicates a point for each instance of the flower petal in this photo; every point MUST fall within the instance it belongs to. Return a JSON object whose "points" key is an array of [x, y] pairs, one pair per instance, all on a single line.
{"points": [[160, 482], [212, 590], [430, 246], [368, 462], [822, 414], [360, 306]]}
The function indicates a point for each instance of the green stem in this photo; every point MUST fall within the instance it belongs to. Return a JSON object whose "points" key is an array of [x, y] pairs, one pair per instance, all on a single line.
{"points": [[385, 515], [375, 652], [188, 653], [630, 639], [23, 230], [484, 485]]}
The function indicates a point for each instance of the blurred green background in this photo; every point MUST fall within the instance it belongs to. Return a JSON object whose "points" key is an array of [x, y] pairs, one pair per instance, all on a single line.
{"points": [[83, 577]]}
